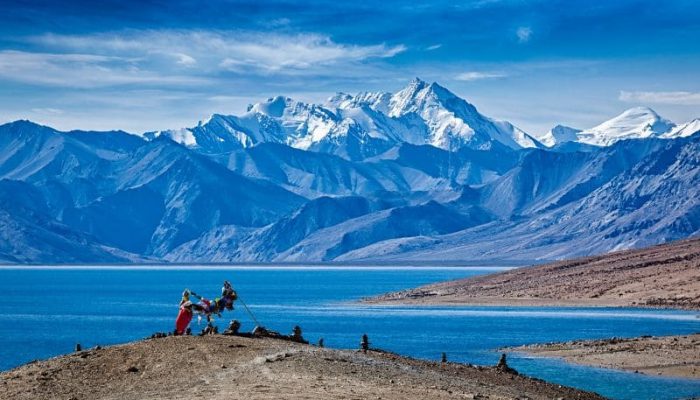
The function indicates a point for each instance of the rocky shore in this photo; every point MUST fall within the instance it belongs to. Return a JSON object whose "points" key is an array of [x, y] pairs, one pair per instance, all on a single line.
{"points": [[662, 355], [233, 367], [666, 276]]}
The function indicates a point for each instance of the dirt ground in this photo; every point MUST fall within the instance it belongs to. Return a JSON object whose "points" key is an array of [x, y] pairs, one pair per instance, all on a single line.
{"points": [[666, 276], [662, 355], [227, 367]]}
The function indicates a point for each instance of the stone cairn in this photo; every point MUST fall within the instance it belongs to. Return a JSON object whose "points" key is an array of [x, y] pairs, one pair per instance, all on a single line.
{"points": [[502, 366], [296, 335], [233, 328], [364, 343], [209, 330]]}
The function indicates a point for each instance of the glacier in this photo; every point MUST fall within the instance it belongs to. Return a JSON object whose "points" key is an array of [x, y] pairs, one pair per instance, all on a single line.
{"points": [[415, 175]]}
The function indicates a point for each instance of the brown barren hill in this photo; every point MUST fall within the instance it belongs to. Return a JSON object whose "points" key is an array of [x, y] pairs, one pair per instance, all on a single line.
{"points": [[230, 367], [665, 276]]}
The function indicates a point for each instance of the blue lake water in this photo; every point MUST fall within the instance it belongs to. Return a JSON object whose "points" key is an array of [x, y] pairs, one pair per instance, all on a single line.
{"points": [[45, 311]]}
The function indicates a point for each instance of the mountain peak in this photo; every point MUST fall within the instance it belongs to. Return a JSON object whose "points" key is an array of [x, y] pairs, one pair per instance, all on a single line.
{"points": [[212, 119], [417, 82], [338, 99], [634, 123], [558, 135], [452, 120], [635, 112], [417, 85], [416, 96], [24, 123], [274, 106], [684, 130]]}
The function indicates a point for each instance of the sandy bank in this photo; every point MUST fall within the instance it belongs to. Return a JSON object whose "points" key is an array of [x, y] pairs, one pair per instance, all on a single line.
{"points": [[665, 355]]}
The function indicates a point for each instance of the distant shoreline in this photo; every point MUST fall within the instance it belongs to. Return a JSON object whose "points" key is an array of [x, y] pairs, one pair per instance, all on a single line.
{"points": [[516, 303], [664, 276], [676, 356], [216, 267], [397, 264]]}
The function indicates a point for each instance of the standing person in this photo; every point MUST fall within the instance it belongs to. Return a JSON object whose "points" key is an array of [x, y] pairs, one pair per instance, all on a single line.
{"points": [[184, 317]]}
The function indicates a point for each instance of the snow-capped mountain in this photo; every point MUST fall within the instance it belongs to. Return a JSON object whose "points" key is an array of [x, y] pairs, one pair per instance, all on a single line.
{"points": [[450, 122], [558, 135], [452, 119], [684, 130], [418, 174], [356, 127], [635, 123]]}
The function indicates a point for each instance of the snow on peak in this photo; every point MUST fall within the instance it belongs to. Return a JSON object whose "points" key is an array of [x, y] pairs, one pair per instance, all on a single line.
{"points": [[273, 107], [635, 123], [338, 100], [559, 134], [452, 121], [684, 130], [182, 136], [415, 97], [378, 101], [420, 113]]}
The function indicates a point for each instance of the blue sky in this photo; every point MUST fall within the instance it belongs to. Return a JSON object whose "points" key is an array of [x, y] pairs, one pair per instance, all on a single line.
{"points": [[147, 65]]}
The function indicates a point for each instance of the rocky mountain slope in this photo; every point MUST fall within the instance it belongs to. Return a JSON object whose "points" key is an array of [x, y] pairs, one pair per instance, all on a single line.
{"points": [[414, 175]]}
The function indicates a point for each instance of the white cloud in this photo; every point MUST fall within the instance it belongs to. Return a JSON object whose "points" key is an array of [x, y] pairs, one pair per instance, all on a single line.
{"points": [[277, 22], [47, 110], [676, 98], [184, 59], [477, 75], [252, 51], [81, 70], [433, 47], [524, 33]]}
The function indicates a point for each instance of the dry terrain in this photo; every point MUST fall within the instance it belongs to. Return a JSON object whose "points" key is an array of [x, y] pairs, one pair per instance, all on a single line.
{"points": [[228, 367], [665, 355], [666, 276]]}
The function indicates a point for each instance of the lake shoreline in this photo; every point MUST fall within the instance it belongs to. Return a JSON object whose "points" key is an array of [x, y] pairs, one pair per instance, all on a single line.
{"points": [[673, 356], [428, 301], [665, 276]]}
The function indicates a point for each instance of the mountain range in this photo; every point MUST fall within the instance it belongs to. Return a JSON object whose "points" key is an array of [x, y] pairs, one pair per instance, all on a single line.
{"points": [[416, 175]]}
